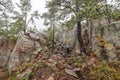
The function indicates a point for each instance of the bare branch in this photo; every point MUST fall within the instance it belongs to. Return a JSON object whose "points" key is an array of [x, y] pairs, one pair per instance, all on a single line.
{"points": [[7, 4]]}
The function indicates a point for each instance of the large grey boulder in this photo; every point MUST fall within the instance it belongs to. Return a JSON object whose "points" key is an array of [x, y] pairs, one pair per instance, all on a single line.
{"points": [[4, 57], [21, 52]]}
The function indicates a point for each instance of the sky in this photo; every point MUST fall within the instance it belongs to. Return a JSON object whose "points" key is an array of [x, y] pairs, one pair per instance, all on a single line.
{"points": [[36, 5], [40, 6]]}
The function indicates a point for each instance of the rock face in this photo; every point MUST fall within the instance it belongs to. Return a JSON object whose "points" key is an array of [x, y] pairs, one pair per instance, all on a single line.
{"points": [[21, 52], [4, 57], [71, 34], [3, 75], [6, 47], [27, 47], [111, 35]]}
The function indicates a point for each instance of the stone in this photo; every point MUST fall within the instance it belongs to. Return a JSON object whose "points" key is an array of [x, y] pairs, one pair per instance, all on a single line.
{"points": [[76, 69], [51, 62], [25, 45], [21, 52], [25, 75], [3, 61], [35, 52], [4, 57], [71, 72], [39, 49], [33, 36], [13, 62], [37, 44]]}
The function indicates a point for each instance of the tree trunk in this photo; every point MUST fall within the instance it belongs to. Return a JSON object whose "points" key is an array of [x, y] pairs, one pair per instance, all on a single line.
{"points": [[90, 38], [25, 23], [53, 32], [79, 32], [53, 37], [101, 29], [80, 40]]}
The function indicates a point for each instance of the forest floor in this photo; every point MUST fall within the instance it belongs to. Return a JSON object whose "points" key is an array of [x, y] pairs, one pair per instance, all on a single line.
{"points": [[38, 61]]}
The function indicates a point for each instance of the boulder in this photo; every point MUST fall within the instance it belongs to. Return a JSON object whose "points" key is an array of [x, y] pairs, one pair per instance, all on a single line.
{"points": [[25, 45], [14, 59], [6, 46], [4, 57], [21, 52]]}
